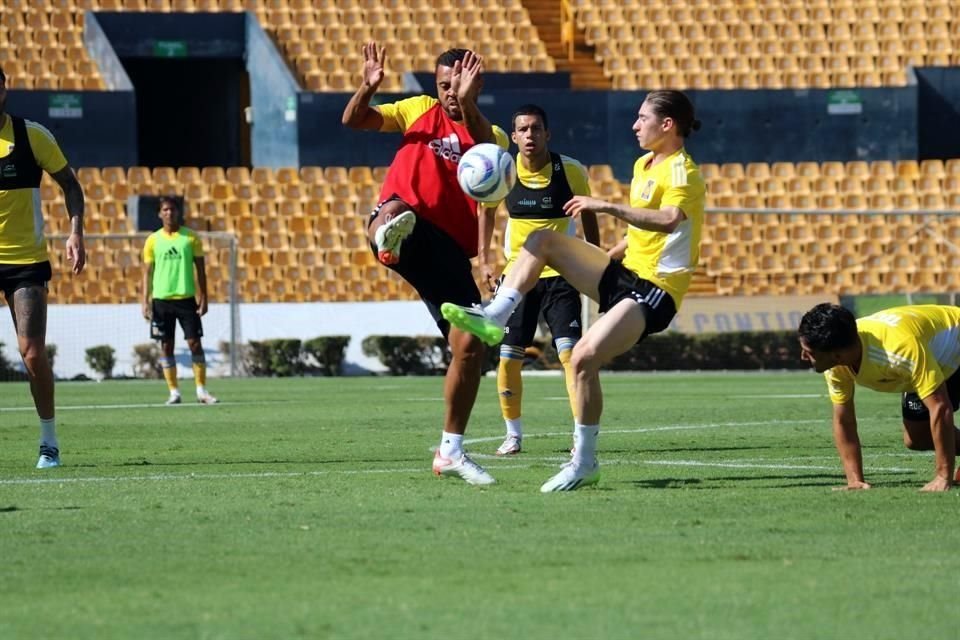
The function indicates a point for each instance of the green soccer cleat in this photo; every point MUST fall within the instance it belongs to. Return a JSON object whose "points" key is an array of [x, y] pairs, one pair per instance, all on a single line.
{"points": [[473, 320]]}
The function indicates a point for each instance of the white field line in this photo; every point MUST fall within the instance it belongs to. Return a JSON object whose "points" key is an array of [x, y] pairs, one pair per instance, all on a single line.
{"points": [[146, 405], [528, 462]]}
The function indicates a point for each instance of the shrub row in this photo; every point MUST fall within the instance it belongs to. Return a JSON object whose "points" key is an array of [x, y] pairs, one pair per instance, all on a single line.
{"points": [[429, 355]]}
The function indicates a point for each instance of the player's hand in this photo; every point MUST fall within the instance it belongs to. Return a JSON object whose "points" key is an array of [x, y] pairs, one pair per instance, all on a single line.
{"points": [[856, 485], [146, 310], [202, 305], [938, 484], [374, 60], [578, 204], [486, 272], [76, 254], [466, 78]]}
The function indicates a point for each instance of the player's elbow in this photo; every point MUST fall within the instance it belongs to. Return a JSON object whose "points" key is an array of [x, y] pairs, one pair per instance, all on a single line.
{"points": [[672, 221]]}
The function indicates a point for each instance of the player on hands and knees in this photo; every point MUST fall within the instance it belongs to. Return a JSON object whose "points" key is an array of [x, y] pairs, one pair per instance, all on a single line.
{"points": [[425, 227], [639, 296], [546, 181], [912, 350]]}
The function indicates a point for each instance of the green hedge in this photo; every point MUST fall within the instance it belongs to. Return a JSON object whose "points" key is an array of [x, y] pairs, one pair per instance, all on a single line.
{"points": [[429, 355], [285, 357], [421, 355]]}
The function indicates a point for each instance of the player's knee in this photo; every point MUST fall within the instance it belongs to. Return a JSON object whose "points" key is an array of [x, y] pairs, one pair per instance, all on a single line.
{"points": [[466, 348], [34, 358], [914, 445], [584, 360], [539, 241], [386, 213], [195, 346]]}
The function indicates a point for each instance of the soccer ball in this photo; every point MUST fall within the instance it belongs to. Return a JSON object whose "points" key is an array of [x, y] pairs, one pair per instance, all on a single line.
{"points": [[486, 173]]}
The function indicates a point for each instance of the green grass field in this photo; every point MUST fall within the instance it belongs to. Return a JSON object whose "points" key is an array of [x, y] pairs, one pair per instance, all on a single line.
{"points": [[305, 508]]}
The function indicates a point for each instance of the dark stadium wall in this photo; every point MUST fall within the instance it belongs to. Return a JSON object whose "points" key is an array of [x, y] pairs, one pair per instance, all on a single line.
{"points": [[595, 126], [231, 94], [94, 128], [939, 99]]}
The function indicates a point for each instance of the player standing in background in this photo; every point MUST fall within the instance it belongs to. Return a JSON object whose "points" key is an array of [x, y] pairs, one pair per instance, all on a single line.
{"points": [[638, 297], [545, 182], [425, 227], [913, 350], [27, 150], [170, 295]]}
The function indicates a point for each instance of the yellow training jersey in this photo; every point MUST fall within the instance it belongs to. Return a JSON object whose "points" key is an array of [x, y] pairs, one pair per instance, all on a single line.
{"points": [[21, 216], [400, 116], [667, 259], [519, 228], [914, 348]]}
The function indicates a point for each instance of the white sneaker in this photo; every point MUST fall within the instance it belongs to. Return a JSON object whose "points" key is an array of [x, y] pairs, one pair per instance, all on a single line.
{"points": [[174, 399], [510, 446], [390, 235], [463, 467], [572, 476], [206, 398], [49, 457]]}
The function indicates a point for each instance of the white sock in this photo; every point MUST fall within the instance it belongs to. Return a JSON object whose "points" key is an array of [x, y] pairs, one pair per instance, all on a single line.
{"points": [[585, 443], [514, 427], [451, 445], [48, 433], [174, 392], [503, 304], [201, 390]]}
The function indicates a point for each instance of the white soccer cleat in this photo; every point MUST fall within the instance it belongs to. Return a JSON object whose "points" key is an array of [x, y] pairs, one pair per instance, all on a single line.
{"points": [[173, 399], [49, 457], [206, 398], [391, 234], [572, 476], [510, 446], [463, 467]]}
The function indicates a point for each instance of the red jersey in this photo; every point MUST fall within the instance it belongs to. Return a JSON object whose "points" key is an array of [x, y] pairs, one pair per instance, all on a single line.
{"points": [[424, 171]]}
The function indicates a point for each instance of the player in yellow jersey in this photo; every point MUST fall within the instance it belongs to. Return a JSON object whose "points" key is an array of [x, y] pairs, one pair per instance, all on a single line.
{"points": [[27, 150], [912, 350], [638, 297], [170, 295], [545, 182]]}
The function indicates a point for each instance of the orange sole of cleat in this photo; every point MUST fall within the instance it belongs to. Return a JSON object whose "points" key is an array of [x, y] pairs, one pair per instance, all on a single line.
{"points": [[387, 257]]}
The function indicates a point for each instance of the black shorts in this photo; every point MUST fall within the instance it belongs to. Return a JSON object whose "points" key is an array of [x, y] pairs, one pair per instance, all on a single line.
{"points": [[18, 276], [166, 314], [437, 267], [619, 283], [560, 304], [912, 407]]}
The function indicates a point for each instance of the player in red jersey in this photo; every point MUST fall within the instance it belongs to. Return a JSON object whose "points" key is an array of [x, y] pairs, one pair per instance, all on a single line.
{"points": [[425, 227]]}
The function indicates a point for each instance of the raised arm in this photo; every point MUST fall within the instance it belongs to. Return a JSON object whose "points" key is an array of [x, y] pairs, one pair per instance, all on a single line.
{"points": [[942, 431], [466, 80], [358, 113], [73, 197], [848, 445]]}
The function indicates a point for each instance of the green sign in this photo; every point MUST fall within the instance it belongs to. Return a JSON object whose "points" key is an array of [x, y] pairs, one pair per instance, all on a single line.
{"points": [[845, 102], [170, 49], [65, 105]]}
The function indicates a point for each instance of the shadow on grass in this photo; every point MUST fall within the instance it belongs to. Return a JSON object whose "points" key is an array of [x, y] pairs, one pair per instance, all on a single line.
{"points": [[14, 508], [786, 481]]}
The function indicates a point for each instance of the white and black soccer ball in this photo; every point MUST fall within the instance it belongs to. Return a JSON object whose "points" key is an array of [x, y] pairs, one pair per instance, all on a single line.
{"points": [[486, 173]]}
